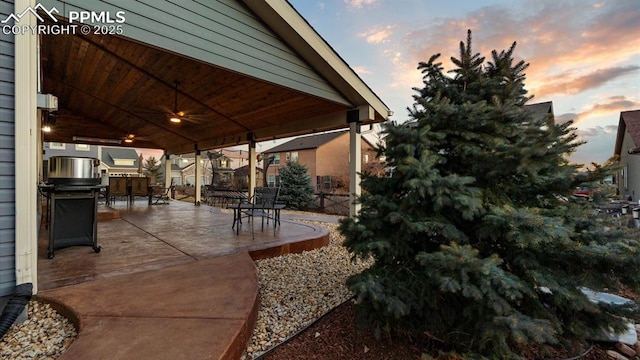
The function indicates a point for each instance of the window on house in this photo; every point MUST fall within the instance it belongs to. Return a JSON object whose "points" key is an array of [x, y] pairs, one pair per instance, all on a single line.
{"points": [[326, 182], [273, 180], [287, 156], [294, 156], [224, 163], [365, 158], [56, 146], [623, 172], [123, 162], [276, 159], [82, 147]]}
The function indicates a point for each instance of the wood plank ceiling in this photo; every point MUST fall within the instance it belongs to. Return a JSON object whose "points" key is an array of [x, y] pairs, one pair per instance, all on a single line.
{"points": [[109, 86]]}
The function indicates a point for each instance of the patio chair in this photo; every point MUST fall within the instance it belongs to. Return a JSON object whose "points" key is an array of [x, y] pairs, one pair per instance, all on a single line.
{"points": [[264, 204], [161, 195], [139, 187], [117, 187]]}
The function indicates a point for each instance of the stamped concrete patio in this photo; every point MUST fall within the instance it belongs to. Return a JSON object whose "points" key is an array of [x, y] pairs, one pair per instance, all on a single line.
{"points": [[171, 282]]}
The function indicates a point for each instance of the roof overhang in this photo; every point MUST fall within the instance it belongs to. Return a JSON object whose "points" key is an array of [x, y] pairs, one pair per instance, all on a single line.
{"points": [[109, 86]]}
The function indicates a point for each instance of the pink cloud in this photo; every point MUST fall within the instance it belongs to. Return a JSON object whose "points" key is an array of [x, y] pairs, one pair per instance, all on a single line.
{"points": [[570, 84], [378, 35], [557, 39], [612, 105]]}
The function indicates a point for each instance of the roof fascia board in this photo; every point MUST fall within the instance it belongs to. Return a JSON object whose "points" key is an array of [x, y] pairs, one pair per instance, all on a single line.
{"points": [[622, 128], [283, 19]]}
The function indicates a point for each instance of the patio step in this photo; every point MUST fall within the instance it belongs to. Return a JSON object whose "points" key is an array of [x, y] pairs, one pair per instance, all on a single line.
{"points": [[107, 213]]}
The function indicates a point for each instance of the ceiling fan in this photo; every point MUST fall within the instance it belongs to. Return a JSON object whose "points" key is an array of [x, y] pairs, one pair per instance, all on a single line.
{"points": [[176, 116], [130, 137]]}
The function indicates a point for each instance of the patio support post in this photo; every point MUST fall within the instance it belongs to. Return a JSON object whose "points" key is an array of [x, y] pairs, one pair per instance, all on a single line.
{"points": [[355, 151], [167, 172], [252, 166], [198, 175], [27, 134]]}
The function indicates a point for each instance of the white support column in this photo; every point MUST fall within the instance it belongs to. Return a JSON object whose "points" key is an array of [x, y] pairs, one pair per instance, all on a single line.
{"points": [[27, 135], [198, 182], [252, 166], [355, 164], [167, 172]]}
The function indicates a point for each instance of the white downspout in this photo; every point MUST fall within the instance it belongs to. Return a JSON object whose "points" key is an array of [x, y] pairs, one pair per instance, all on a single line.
{"points": [[27, 135]]}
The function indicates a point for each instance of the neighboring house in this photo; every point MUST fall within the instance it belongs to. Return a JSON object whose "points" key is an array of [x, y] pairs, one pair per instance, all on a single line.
{"points": [[627, 149], [326, 157], [241, 178], [183, 170], [540, 109], [221, 166], [116, 161]]}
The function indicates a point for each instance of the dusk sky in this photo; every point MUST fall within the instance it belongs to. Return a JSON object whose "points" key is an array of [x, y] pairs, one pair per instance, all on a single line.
{"points": [[584, 55]]}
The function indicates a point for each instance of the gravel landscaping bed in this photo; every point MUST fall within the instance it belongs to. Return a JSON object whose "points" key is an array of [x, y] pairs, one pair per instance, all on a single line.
{"points": [[297, 289], [45, 335]]}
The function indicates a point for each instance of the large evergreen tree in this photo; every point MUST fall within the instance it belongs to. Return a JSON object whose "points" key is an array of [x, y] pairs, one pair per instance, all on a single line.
{"points": [[296, 190], [472, 240]]}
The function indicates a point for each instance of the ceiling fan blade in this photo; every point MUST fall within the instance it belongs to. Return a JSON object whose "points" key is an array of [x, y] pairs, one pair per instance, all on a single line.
{"points": [[191, 119]]}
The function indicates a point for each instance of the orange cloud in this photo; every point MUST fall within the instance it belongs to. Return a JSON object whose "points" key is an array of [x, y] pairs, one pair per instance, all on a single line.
{"points": [[361, 70], [378, 36], [612, 105], [570, 84], [558, 39]]}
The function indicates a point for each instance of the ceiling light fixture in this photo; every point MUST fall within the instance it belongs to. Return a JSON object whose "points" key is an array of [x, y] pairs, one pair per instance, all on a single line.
{"points": [[174, 119], [46, 128]]}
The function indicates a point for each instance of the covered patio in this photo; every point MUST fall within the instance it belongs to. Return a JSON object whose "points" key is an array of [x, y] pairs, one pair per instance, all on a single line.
{"points": [[208, 76], [232, 73], [145, 237], [166, 269]]}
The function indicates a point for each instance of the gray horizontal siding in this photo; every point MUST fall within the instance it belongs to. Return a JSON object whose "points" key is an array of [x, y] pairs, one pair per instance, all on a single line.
{"points": [[223, 33], [6, 237], [7, 157]]}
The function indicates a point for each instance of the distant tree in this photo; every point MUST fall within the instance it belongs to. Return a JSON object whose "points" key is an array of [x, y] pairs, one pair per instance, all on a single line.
{"points": [[152, 168], [296, 190], [472, 240]]}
